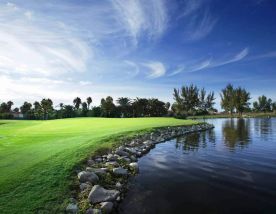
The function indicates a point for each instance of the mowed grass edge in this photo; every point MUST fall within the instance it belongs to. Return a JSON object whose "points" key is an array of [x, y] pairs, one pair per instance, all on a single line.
{"points": [[37, 158]]}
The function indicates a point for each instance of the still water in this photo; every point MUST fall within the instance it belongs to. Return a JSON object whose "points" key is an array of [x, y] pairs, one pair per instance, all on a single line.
{"points": [[230, 169]]}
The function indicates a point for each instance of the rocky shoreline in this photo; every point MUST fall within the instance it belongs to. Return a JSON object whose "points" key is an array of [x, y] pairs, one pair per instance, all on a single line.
{"points": [[103, 182]]}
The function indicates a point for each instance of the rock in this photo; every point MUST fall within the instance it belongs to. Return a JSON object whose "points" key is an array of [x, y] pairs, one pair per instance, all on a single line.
{"points": [[106, 207], [131, 150], [139, 154], [84, 186], [90, 162], [98, 160], [118, 185], [120, 152], [111, 163], [93, 211], [148, 143], [88, 176], [133, 158], [112, 157], [120, 171], [72, 208], [134, 166], [100, 171], [99, 194]]}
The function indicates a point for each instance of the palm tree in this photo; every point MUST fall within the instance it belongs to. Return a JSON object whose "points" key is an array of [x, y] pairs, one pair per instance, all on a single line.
{"points": [[77, 102], [10, 104], [124, 104], [61, 105], [89, 101]]}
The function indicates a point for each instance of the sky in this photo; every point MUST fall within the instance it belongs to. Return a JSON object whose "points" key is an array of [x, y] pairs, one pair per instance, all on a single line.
{"points": [[62, 49]]}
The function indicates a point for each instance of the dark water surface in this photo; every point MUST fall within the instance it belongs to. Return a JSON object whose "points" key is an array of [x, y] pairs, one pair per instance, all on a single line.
{"points": [[230, 169]]}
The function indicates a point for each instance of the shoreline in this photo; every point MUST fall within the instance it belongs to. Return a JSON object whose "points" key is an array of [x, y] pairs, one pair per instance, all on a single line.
{"points": [[102, 182]]}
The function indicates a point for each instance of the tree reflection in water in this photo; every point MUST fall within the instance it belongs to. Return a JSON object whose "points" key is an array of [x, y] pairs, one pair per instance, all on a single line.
{"points": [[236, 133], [194, 141]]}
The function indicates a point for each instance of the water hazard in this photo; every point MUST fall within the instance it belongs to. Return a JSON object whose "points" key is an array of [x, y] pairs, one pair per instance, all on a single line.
{"points": [[230, 169]]}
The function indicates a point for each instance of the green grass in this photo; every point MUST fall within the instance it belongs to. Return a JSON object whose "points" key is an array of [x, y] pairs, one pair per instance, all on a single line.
{"points": [[37, 158]]}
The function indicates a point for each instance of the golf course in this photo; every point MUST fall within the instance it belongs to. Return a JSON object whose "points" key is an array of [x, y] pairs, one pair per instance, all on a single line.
{"points": [[37, 158]]}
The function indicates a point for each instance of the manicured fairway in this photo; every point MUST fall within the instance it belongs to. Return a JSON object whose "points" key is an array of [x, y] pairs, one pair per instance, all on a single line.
{"points": [[37, 157]]}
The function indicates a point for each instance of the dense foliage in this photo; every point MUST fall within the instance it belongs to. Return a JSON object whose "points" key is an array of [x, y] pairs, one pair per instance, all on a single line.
{"points": [[189, 101], [126, 107]]}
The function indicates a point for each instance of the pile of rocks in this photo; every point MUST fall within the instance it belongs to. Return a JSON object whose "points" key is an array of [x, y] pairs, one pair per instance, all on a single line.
{"points": [[103, 183]]}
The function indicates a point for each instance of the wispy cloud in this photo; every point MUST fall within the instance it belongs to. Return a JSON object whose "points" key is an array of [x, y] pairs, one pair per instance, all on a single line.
{"points": [[140, 17], [200, 25], [156, 69], [267, 55], [38, 47], [209, 63]]}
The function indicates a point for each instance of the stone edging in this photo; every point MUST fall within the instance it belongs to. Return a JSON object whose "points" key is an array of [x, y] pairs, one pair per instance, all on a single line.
{"points": [[103, 184]]}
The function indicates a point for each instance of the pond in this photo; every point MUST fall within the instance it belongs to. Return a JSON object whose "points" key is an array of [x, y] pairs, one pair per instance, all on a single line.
{"points": [[230, 169]]}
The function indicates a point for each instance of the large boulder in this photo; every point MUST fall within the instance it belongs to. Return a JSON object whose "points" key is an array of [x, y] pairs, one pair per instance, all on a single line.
{"points": [[88, 177], [99, 194]]}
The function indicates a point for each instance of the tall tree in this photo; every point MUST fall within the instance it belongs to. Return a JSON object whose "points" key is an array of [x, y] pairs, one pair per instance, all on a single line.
{"points": [[263, 104], [25, 108], [37, 111], [124, 105], [107, 106], [47, 107], [242, 98], [89, 101], [228, 99], [77, 102], [139, 106], [84, 108], [4, 108], [10, 104], [187, 100]]}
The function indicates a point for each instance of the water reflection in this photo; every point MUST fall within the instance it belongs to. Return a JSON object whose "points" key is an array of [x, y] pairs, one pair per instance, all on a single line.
{"points": [[263, 127], [194, 141], [236, 133]]}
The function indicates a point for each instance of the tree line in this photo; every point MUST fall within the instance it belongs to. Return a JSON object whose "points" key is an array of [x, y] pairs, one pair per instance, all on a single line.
{"points": [[188, 100], [122, 107]]}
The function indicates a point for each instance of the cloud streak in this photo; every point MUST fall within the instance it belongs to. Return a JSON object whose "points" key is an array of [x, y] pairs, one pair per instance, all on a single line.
{"points": [[139, 17], [207, 64], [156, 69]]}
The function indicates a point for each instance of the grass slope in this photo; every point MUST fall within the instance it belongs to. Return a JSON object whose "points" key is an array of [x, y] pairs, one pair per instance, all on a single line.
{"points": [[37, 157]]}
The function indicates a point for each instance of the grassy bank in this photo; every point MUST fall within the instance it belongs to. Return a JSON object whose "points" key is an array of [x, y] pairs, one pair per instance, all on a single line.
{"points": [[246, 115], [37, 157]]}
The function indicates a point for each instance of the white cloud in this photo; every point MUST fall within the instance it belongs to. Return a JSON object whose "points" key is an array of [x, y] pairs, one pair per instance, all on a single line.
{"points": [[199, 26], [40, 47], [238, 57], [156, 69], [206, 64], [140, 17]]}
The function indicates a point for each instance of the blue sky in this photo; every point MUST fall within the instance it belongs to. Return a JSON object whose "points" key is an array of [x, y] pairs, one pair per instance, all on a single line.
{"points": [[67, 48]]}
